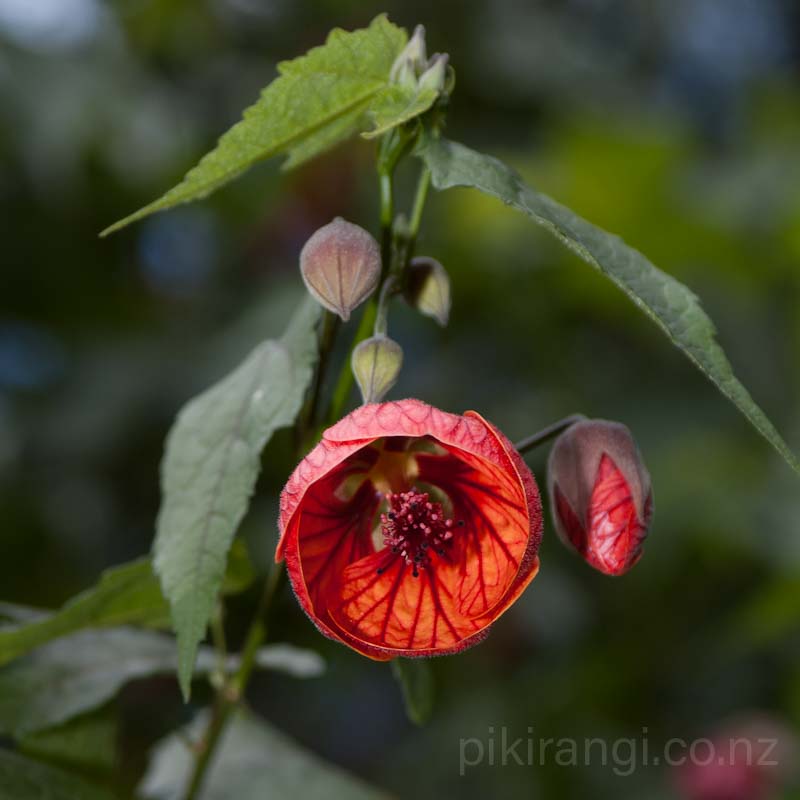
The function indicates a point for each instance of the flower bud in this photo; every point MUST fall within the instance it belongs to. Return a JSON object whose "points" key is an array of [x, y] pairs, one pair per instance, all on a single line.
{"points": [[411, 61], [436, 73], [428, 288], [341, 265], [600, 494], [376, 365]]}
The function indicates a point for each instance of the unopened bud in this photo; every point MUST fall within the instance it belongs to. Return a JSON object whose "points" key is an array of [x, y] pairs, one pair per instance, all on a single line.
{"points": [[412, 60], [341, 265], [376, 365], [434, 76], [600, 494], [428, 288]]}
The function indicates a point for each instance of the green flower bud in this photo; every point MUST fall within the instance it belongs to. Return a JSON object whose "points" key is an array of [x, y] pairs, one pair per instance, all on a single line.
{"points": [[436, 73], [412, 60], [428, 288], [341, 265], [376, 365]]}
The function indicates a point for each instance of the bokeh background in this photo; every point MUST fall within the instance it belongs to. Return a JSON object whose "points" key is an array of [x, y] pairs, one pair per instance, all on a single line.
{"points": [[674, 123]]}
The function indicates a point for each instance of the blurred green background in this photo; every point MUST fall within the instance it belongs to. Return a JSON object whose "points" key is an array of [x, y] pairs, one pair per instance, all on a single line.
{"points": [[675, 123]]}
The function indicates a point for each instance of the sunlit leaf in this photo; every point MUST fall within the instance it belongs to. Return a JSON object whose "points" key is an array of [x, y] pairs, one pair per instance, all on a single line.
{"points": [[128, 594], [22, 778], [415, 677], [665, 300], [210, 467], [318, 100], [253, 761], [398, 104]]}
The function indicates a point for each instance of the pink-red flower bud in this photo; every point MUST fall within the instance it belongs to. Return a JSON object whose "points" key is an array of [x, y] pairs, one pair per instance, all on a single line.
{"points": [[341, 265], [600, 494]]}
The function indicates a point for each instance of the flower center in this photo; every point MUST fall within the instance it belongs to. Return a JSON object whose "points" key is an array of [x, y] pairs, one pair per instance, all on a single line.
{"points": [[414, 528]]}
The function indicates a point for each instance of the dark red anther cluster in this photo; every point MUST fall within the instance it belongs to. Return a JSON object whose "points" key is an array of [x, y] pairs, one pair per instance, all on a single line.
{"points": [[413, 527]]}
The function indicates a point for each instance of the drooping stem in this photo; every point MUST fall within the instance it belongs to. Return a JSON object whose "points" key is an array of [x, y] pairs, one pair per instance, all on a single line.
{"points": [[381, 326], [550, 432], [229, 695]]}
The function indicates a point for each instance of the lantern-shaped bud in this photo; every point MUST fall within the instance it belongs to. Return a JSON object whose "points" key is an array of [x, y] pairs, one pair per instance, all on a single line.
{"points": [[428, 288], [376, 364], [600, 494], [341, 265]]}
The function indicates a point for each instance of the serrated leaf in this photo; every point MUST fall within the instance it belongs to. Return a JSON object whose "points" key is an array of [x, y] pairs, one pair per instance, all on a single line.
{"points": [[397, 105], [415, 677], [317, 100], [128, 594], [210, 467], [253, 760], [674, 307], [76, 674], [22, 778]]}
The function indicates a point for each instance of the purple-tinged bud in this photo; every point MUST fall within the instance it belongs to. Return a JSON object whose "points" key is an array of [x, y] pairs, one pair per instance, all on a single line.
{"points": [[341, 265], [600, 494], [376, 364], [428, 288], [435, 75], [412, 60]]}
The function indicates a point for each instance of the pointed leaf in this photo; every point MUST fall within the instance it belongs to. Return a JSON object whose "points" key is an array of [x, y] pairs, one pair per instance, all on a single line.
{"points": [[128, 594], [674, 308], [76, 674], [253, 761], [415, 677], [210, 467], [22, 778], [396, 105], [317, 100]]}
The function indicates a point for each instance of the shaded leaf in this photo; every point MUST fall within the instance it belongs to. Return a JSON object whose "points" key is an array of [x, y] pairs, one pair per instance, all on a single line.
{"points": [[415, 677], [210, 466], [22, 778], [316, 101], [254, 760], [78, 673], [86, 742], [240, 573], [665, 300], [295, 661], [128, 594]]}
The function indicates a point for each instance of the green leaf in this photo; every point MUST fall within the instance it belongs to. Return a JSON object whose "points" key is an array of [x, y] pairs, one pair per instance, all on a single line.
{"points": [[24, 779], [317, 100], [253, 761], [87, 742], [674, 308], [76, 674], [415, 677], [396, 105], [129, 594], [212, 460]]}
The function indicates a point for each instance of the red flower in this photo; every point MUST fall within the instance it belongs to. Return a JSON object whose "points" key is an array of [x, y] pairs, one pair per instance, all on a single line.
{"points": [[408, 531], [600, 494]]}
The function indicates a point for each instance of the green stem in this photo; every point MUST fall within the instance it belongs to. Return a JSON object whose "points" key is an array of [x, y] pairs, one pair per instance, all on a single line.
{"points": [[345, 381], [327, 337], [423, 184], [229, 695], [550, 432]]}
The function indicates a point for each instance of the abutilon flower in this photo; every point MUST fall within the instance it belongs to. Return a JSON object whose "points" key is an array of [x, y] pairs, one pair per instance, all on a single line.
{"points": [[407, 531], [600, 494]]}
